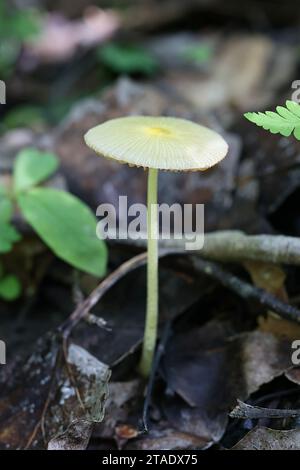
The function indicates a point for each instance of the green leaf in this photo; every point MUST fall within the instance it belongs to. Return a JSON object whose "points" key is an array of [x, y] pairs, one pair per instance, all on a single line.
{"points": [[10, 288], [23, 116], [67, 226], [285, 121], [16, 26], [127, 59], [32, 167], [199, 54], [1, 269], [8, 236], [6, 209]]}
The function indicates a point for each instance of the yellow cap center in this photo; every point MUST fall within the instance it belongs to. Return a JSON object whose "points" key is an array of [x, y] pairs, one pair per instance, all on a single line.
{"points": [[158, 131]]}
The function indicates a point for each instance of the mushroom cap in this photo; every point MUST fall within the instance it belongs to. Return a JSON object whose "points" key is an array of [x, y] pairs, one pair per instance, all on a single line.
{"points": [[165, 143]]}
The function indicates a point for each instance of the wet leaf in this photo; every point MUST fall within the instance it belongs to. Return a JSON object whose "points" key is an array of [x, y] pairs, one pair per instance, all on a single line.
{"points": [[23, 392], [75, 409], [261, 438], [42, 397], [269, 277], [168, 439], [76, 437], [209, 370], [293, 375], [117, 407]]}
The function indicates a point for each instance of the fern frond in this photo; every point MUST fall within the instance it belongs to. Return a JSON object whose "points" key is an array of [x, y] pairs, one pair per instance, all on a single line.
{"points": [[285, 121]]}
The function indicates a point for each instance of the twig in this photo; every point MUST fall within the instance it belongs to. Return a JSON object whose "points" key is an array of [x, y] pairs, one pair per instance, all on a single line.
{"points": [[233, 245], [159, 353], [246, 290], [276, 395], [245, 411]]}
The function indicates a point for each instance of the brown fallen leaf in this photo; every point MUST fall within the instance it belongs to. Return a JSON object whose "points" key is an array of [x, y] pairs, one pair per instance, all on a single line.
{"points": [[76, 437], [168, 439], [125, 431], [80, 398], [41, 395], [24, 391], [117, 408], [271, 278], [261, 438], [209, 370], [293, 375]]}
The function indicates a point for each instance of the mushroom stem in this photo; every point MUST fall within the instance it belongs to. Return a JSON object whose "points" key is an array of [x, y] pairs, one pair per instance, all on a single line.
{"points": [[150, 333]]}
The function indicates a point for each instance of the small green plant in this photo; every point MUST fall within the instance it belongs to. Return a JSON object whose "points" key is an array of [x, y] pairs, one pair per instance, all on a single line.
{"points": [[199, 54], [9, 284], [16, 26], [8, 234], [62, 221], [285, 121], [10, 287], [23, 116], [127, 59]]}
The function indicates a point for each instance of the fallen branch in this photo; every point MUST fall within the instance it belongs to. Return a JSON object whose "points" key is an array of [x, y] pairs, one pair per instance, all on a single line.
{"points": [[245, 290], [245, 411], [226, 278], [233, 245]]}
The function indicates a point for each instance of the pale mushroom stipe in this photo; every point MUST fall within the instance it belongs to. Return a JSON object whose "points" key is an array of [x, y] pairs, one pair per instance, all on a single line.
{"points": [[156, 143]]}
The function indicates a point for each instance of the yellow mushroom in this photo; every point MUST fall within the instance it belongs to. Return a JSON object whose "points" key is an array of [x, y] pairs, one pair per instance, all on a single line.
{"points": [[156, 143]]}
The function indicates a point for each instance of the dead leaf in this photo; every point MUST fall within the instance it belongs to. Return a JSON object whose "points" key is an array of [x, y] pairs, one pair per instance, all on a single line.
{"points": [[126, 432], [81, 395], [168, 439], [209, 370], [207, 425], [269, 277], [261, 438], [279, 327], [293, 375], [117, 408], [76, 437], [39, 399], [23, 393]]}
